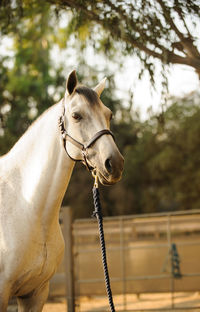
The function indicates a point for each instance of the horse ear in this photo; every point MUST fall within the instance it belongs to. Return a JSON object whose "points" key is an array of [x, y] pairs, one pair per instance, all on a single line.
{"points": [[100, 87], [71, 82]]}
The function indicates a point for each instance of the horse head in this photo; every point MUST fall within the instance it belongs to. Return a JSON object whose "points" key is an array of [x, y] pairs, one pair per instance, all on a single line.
{"points": [[87, 128]]}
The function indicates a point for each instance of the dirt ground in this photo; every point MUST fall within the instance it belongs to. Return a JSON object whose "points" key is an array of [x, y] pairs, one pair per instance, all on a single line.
{"points": [[183, 301]]}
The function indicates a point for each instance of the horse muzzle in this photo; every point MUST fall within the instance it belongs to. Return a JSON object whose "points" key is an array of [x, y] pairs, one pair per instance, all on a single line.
{"points": [[111, 173]]}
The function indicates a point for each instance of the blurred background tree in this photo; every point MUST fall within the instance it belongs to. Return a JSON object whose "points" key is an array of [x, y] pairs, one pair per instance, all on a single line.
{"points": [[27, 77], [163, 167], [162, 155], [161, 29]]}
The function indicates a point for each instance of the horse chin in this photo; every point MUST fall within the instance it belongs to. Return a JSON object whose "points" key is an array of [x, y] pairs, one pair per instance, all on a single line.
{"points": [[104, 181]]}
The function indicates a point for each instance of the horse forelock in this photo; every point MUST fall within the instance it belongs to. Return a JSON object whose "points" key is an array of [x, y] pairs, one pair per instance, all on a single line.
{"points": [[90, 95]]}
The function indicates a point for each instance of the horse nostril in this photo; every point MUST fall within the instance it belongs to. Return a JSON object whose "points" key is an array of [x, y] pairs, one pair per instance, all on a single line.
{"points": [[108, 165]]}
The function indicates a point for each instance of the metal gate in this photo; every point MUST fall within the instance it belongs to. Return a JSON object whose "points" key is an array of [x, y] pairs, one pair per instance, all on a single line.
{"points": [[153, 253]]}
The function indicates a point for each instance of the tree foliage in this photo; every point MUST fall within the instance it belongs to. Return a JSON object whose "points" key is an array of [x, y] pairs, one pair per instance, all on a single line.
{"points": [[26, 77], [161, 29], [163, 167]]}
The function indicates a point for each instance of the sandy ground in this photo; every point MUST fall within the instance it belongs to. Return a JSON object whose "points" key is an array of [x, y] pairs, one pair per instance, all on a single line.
{"points": [[183, 301]]}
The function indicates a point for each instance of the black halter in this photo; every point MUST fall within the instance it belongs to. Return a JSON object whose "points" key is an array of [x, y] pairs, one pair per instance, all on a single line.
{"points": [[81, 146]]}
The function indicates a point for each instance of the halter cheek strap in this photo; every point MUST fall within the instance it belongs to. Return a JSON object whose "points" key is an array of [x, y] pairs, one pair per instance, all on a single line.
{"points": [[66, 137]]}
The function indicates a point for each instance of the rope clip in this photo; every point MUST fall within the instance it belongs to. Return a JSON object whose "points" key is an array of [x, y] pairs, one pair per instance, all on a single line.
{"points": [[94, 174]]}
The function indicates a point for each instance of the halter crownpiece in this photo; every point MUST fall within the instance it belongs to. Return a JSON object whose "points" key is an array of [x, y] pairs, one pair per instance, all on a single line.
{"points": [[81, 146]]}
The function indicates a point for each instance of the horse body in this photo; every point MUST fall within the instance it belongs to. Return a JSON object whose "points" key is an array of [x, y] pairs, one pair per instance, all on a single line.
{"points": [[34, 177]]}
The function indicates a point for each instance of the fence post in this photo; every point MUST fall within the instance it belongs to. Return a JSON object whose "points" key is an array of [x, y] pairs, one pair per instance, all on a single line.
{"points": [[68, 261]]}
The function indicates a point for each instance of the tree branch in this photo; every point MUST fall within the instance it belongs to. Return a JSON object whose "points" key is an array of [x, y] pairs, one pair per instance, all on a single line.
{"points": [[186, 42], [166, 56], [134, 27]]}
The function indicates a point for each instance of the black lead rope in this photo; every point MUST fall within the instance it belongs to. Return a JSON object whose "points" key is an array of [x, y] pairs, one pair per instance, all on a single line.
{"points": [[97, 214]]}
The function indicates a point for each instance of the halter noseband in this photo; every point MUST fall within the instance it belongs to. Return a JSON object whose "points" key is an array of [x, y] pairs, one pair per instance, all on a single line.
{"points": [[81, 146]]}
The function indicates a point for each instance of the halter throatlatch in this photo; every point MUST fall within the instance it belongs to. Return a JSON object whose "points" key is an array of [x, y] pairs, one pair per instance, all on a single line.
{"points": [[83, 147]]}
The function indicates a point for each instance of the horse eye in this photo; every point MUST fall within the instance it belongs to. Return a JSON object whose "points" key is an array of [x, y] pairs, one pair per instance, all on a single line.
{"points": [[76, 116]]}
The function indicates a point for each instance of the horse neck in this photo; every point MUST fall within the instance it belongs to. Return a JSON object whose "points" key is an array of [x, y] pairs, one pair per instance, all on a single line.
{"points": [[44, 169]]}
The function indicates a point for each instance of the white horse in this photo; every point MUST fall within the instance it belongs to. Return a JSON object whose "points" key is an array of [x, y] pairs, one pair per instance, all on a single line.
{"points": [[34, 176]]}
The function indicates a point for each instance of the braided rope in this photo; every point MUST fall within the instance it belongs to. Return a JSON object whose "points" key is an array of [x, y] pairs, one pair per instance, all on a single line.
{"points": [[97, 214]]}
